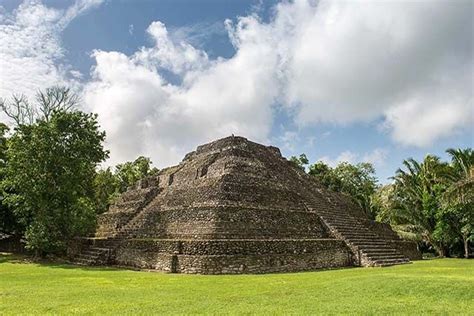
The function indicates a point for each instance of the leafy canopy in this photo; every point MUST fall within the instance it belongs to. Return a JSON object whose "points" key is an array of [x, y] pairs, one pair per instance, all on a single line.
{"points": [[50, 172]]}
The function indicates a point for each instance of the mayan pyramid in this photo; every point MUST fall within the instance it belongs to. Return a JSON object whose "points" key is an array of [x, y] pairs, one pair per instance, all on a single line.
{"points": [[235, 206]]}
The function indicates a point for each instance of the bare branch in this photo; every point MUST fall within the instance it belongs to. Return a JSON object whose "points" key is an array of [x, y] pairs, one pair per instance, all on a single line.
{"points": [[47, 102], [18, 109], [55, 99]]}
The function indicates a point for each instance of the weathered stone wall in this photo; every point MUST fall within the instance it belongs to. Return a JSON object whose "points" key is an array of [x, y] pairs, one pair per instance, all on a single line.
{"points": [[382, 229], [408, 248], [234, 256], [77, 245], [231, 223]]}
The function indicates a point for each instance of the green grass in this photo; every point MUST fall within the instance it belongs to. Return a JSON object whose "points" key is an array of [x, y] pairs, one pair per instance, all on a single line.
{"points": [[442, 286]]}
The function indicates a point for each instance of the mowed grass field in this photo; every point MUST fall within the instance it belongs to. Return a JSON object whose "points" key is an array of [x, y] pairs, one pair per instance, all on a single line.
{"points": [[441, 286]]}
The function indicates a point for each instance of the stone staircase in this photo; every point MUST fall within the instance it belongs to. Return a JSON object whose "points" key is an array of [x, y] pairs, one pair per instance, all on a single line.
{"points": [[93, 256], [128, 213], [138, 223], [369, 248], [129, 205]]}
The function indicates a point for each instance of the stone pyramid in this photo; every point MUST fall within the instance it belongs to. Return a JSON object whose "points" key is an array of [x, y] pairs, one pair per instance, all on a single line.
{"points": [[235, 206]]}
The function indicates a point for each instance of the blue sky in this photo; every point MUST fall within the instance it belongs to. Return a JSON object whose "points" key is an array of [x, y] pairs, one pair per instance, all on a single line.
{"points": [[361, 81]]}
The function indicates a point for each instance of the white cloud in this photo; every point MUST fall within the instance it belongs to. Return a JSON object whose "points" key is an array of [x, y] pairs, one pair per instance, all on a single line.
{"points": [[198, 33], [289, 139], [376, 157], [407, 63], [410, 62], [345, 156], [30, 46], [180, 58], [420, 121], [144, 114]]}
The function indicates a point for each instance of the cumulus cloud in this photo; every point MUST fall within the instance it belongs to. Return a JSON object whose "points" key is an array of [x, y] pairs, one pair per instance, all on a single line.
{"points": [[31, 55], [145, 114], [407, 63]]}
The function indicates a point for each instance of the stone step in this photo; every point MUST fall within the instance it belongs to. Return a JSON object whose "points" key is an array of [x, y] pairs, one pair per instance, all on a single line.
{"points": [[130, 204], [377, 251], [83, 255], [361, 236], [344, 223], [90, 253], [356, 236], [85, 259], [369, 245], [383, 256], [347, 225], [365, 244], [389, 262], [137, 194], [337, 219], [349, 230]]}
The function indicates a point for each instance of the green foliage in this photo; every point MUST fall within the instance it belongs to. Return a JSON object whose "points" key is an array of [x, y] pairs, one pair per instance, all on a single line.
{"points": [[106, 189], [301, 162], [357, 181], [8, 222], [458, 217], [108, 185], [427, 287], [49, 177], [130, 172], [419, 203], [326, 176], [431, 201]]}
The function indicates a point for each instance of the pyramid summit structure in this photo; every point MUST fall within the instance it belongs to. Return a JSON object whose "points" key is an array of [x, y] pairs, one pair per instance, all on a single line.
{"points": [[235, 206]]}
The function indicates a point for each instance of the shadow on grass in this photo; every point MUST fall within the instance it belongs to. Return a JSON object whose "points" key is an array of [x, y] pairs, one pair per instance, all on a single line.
{"points": [[6, 257]]}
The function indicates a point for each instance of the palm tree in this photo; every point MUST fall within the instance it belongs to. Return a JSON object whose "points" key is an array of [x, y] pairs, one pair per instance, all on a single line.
{"points": [[460, 194], [416, 198]]}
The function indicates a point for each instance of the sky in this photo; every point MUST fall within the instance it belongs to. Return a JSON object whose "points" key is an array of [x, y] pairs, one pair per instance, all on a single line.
{"points": [[375, 81]]}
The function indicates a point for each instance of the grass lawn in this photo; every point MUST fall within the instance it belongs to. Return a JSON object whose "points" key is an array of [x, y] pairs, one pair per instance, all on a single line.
{"points": [[442, 286]]}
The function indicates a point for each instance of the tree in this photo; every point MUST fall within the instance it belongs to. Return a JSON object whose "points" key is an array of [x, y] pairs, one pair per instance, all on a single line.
{"points": [[106, 189], [326, 176], [300, 162], [8, 222], [48, 102], [50, 172], [417, 199], [108, 185], [458, 217], [130, 172], [357, 181]]}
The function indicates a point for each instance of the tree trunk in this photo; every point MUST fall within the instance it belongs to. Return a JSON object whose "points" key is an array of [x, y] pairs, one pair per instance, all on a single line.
{"points": [[466, 246], [441, 250]]}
